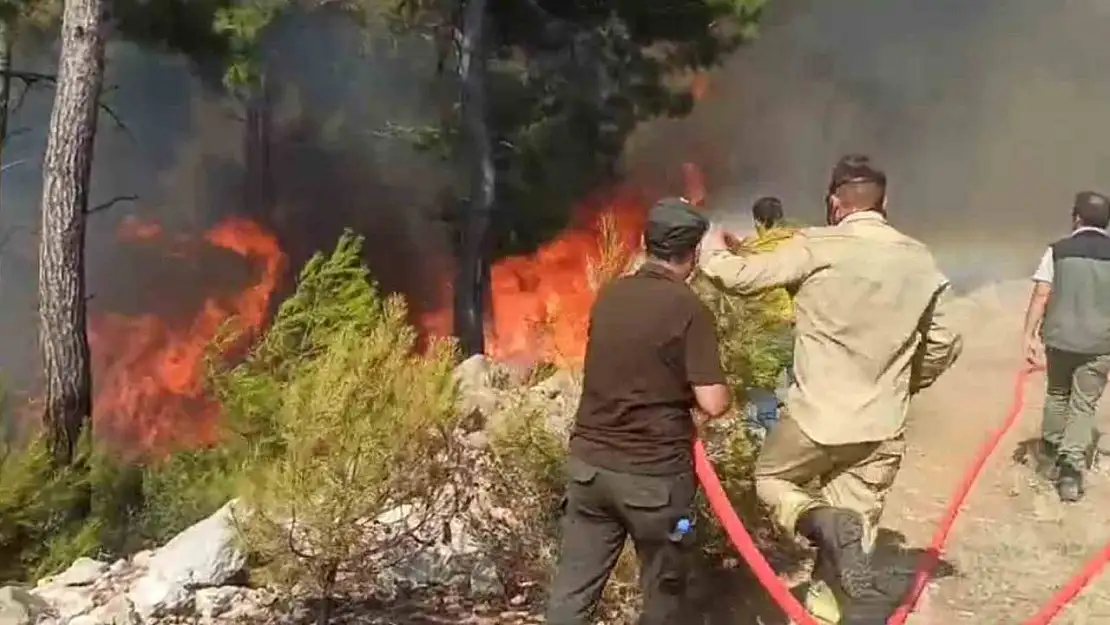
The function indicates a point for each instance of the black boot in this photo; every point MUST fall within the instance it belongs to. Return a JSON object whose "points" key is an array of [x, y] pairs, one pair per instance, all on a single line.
{"points": [[1069, 484], [838, 535]]}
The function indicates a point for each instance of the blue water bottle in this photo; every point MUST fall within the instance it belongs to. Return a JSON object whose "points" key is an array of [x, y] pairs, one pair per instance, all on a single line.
{"points": [[682, 527]]}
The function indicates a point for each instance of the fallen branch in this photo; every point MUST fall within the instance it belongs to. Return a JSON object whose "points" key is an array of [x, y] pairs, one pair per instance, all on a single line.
{"points": [[110, 203]]}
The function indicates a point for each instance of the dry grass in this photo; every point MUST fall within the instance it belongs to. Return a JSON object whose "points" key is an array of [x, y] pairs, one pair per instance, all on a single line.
{"points": [[613, 259]]}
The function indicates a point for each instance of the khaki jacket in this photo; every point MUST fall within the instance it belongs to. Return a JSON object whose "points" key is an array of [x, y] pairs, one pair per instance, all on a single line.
{"points": [[873, 323]]}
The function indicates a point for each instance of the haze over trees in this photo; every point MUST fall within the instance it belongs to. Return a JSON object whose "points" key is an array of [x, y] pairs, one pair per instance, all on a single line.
{"points": [[538, 99]]}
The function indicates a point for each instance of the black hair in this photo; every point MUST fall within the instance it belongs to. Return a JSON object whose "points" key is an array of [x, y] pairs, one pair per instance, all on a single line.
{"points": [[767, 211], [859, 170], [1092, 209]]}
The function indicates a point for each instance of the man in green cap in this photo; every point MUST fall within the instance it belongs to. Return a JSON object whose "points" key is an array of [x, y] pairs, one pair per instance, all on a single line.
{"points": [[652, 364]]}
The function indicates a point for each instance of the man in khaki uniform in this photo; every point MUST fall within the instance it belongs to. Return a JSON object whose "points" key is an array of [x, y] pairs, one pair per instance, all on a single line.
{"points": [[872, 329]]}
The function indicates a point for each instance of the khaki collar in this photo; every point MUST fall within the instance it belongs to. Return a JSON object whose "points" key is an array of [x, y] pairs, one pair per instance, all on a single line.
{"points": [[864, 216]]}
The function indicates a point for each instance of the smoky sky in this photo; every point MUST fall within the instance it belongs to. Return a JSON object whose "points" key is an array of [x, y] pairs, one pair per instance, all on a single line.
{"points": [[339, 159], [989, 115]]}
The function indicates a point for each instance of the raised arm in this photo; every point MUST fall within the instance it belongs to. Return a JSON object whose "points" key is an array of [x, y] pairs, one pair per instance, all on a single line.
{"points": [[788, 264]]}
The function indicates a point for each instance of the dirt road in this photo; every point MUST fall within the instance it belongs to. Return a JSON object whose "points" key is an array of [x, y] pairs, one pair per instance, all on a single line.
{"points": [[1015, 543]]}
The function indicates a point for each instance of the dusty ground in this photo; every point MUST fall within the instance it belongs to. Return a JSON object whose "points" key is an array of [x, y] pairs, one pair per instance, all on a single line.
{"points": [[1015, 543]]}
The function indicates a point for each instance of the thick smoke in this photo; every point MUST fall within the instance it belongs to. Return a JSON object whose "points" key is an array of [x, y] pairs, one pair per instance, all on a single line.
{"points": [[334, 164], [988, 115]]}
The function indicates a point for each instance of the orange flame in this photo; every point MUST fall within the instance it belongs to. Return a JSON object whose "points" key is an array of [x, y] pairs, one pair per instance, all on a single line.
{"points": [[149, 373], [694, 182], [541, 302]]}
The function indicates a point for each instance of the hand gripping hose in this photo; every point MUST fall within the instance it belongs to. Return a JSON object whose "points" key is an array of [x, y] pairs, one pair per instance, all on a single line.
{"points": [[782, 596]]}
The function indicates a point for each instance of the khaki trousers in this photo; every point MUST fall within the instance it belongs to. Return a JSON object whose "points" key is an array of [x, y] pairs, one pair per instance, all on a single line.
{"points": [[794, 474]]}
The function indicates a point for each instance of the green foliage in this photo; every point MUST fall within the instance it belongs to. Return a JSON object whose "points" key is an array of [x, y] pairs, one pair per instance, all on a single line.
{"points": [[567, 82], [98, 506], [733, 455], [243, 25], [754, 339], [181, 490], [572, 79], [30, 16], [344, 420], [526, 469], [37, 507]]}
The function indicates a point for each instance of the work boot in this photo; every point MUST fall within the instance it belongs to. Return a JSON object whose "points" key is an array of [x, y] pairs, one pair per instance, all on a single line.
{"points": [[838, 535], [1046, 460], [1069, 484]]}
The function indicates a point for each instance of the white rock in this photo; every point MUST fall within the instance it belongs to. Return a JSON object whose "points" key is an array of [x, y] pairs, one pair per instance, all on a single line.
{"points": [[19, 607], [117, 611], [83, 572], [204, 555], [213, 602], [485, 579], [154, 596], [473, 373], [67, 601], [478, 400]]}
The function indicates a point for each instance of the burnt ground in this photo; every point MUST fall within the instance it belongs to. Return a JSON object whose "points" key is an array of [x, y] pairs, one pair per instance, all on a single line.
{"points": [[1012, 546]]}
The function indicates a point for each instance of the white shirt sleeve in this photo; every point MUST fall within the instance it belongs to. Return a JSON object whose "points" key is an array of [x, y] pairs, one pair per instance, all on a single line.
{"points": [[1045, 270]]}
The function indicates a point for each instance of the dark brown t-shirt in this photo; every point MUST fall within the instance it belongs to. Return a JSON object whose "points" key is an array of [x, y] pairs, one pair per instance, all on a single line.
{"points": [[651, 338]]}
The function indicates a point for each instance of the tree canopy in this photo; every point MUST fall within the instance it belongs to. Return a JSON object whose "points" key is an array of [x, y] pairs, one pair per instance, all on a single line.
{"points": [[567, 82]]}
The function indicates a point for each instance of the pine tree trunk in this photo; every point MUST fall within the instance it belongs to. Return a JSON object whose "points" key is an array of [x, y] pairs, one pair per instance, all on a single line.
{"points": [[258, 181], [472, 283], [6, 36], [67, 167]]}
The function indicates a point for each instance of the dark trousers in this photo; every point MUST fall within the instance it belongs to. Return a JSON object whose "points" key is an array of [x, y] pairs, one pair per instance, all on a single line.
{"points": [[602, 509], [1074, 385]]}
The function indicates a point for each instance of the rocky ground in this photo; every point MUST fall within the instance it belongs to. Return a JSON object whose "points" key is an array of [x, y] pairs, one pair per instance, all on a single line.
{"points": [[445, 572], [1011, 548]]}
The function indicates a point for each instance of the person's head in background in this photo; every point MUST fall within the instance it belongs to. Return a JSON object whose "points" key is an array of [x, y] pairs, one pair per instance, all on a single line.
{"points": [[767, 213], [856, 185], [672, 235], [1090, 210]]}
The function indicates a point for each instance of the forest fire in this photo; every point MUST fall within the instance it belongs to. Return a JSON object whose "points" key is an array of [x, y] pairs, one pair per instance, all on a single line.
{"points": [[149, 371], [541, 302]]}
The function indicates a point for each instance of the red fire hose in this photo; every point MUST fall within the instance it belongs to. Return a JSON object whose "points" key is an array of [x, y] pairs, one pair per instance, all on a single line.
{"points": [[778, 590]]}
